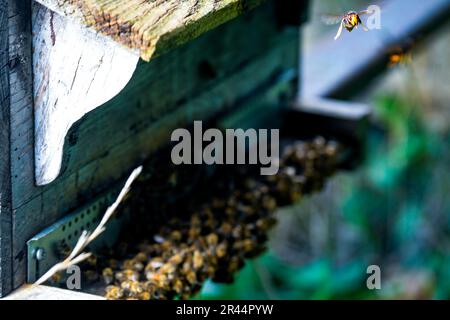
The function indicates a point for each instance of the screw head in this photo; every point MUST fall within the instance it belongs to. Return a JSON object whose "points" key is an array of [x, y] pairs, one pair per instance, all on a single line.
{"points": [[40, 254]]}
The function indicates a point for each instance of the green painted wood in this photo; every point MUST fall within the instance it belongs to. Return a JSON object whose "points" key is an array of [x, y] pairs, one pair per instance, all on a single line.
{"points": [[5, 173], [16, 139], [21, 112]]}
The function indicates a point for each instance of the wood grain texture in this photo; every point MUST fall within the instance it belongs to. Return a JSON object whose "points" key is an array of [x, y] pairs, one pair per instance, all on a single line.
{"points": [[75, 70], [5, 168], [28, 292], [151, 27], [21, 115], [196, 81]]}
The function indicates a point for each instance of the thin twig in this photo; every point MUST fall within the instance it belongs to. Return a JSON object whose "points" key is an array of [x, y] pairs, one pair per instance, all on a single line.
{"points": [[77, 256]]}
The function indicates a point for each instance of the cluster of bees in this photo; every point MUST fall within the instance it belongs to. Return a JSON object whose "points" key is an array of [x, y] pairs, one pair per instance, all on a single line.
{"points": [[208, 236]]}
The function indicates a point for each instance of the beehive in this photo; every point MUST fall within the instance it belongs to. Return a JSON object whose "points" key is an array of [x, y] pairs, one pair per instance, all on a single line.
{"points": [[90, 90]]}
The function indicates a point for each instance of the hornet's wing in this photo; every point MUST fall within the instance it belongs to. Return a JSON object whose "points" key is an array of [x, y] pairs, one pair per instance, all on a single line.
{"points": [[331, 19], [363, 26], [361, 13], [338, 34]]}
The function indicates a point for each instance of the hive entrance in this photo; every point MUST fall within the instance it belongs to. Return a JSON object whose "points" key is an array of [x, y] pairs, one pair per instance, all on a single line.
{"points": [[186, 224]]}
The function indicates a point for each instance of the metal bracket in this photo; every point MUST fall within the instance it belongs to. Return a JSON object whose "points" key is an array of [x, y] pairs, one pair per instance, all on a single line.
{"points": [[44, 250]]}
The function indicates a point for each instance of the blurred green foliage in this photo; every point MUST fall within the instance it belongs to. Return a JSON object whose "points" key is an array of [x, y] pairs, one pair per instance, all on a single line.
{"points": [[398, 201]]}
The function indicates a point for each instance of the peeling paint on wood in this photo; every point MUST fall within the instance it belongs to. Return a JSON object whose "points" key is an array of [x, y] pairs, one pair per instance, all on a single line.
{"points": [[75, 70], [151, 26]]}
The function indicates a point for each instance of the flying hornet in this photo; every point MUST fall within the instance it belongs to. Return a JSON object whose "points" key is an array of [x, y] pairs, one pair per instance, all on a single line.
{"points": [[399, 57], [349, 21]]}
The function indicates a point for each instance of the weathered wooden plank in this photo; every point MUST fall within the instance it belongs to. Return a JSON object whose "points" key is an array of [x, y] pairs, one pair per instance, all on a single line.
{"points": [[152, 27], [21, 109], [28, 292], [192, 82], [75, 70], [5, 168]]}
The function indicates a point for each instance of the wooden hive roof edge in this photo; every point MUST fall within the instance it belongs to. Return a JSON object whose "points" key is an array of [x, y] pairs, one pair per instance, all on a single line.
{"points": [[151, 27]]}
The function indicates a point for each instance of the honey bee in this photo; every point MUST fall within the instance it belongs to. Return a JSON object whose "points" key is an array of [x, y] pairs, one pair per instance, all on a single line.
{"points": [[167, 268], [175, 235], [154, 264], [141, 257], [108, 276], [158, 279], [235, 264], [210, 270], [212, 239], [149, 286], [194, 232], [349, 21], [191, 277], [133, 264], [249, 245], [197, 260], [221, 250], [127, 275], [113, 293], [331, 149], [230, 211], [144, 296], [178, 286], [64, 250], [264, 224], [132, 288], [269, 203], [226, 228], [92, 261], [176, 259]]}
